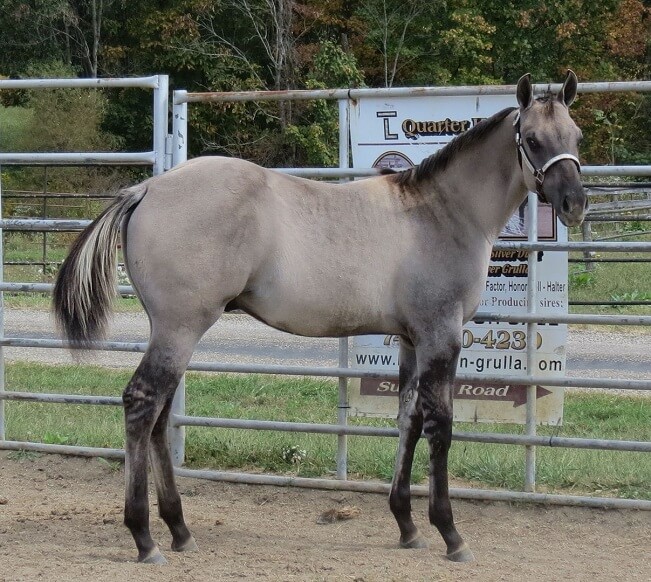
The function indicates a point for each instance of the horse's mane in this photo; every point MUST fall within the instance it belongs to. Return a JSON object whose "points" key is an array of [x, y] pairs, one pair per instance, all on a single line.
{"points": [[438, 161]]}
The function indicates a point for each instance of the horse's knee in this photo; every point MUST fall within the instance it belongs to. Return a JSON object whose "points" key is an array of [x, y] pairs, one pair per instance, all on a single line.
{"points": [[437, 422]]}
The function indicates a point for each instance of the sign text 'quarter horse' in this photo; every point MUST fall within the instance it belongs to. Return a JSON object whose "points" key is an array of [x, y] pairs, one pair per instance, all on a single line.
{"points": [[216, 234]]}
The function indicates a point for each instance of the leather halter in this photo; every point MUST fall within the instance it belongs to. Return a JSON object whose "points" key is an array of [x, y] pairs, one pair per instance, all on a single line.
{"points": [[538, 173]]}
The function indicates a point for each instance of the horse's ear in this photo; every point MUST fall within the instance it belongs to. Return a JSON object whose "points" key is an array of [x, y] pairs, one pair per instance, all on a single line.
{"points": [[568, 91], [524, 91]]}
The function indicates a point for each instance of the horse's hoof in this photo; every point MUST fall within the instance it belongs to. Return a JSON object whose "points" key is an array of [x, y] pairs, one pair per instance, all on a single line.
{"points": [[416, 543], [188, 546], [153, 557], [463, 554]]}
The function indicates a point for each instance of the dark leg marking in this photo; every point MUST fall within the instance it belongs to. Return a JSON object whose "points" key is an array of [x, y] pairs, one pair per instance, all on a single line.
{"points": [[169, 501], [147, 394], [410, 423], [435, 391]]}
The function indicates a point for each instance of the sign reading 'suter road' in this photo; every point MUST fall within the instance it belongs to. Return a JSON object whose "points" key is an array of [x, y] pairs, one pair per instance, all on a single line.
{"points": [[398, 133]]}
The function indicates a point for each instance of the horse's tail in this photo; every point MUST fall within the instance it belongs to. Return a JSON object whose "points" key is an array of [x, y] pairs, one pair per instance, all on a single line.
{"points": [[86, 283]]}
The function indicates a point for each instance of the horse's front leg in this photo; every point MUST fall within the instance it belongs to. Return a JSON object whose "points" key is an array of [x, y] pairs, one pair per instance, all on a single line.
{"points": [[437, 366], [410, 424]]}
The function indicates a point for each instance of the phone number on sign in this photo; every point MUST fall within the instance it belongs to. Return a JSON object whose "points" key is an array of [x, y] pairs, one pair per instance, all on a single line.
{"points": [[499, 340]]}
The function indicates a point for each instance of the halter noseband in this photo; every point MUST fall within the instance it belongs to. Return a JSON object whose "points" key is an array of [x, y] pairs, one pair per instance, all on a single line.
{"points": [[538, 174]]}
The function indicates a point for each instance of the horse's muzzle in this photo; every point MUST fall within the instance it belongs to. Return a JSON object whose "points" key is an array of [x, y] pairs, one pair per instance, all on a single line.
{"points": [[573, 208]]}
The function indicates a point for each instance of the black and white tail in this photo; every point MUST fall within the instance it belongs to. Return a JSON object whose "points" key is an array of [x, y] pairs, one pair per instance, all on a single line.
{"points": [[87, 281]]}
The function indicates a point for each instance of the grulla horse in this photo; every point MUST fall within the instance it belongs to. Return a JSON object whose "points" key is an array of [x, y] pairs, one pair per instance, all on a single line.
{"points": [[312, 258]]}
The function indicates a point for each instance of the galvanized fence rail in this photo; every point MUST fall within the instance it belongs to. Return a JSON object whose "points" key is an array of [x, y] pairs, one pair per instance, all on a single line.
{"points": [[179, 420], [158, 84]]}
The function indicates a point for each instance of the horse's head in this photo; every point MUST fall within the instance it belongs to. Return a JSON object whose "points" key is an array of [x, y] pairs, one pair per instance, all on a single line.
{"points": [[548, 142]]}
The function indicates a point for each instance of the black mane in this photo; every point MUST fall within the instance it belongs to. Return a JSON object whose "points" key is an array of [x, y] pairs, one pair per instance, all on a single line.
{"points": [[438, 161]]}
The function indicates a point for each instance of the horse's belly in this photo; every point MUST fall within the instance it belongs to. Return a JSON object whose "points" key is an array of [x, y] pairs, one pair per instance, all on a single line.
{"points": [[321, 324], [318, 315]]}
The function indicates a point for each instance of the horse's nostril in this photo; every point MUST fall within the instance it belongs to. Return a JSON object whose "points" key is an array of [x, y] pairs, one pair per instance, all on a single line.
{"points": [[566, 205], [587, 203]]}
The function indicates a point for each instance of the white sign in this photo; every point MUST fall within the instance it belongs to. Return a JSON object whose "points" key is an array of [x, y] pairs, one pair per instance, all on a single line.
{"points": [[398, 134]]}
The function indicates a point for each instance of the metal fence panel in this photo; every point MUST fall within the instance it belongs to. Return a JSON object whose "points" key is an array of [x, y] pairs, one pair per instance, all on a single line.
{"points": [[342, 372]]}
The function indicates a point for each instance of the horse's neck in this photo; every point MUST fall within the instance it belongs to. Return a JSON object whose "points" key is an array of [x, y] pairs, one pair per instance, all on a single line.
{"points": [[485, 181]]}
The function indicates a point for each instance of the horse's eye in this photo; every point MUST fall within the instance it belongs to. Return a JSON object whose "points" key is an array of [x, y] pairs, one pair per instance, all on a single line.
{"points": [[532, 142]]}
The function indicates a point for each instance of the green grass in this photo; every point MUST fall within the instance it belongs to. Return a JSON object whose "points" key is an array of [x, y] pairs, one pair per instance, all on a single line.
{"points": [[612, 282], [43, 302], [298, 399], [600, 416], [13, 121], [21, 246]]}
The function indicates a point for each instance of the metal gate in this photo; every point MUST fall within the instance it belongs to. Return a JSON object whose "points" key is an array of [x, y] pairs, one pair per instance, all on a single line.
{"points": [[178, 417]]}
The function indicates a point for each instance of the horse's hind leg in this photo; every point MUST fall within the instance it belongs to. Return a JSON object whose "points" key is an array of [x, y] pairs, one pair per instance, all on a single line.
{"points": [[147, 399], [169, 500], [410, 423]]}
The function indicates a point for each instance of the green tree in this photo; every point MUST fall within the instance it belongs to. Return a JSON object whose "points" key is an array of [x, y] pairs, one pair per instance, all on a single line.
{"points": [[234, 45], [545, 37], [315, 138], [466, 46], [67, 30], [64, 120]]}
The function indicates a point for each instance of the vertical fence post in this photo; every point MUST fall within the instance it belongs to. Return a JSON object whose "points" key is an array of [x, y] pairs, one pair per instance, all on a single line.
{"points": [[586, 230], [44, 233], [161, 99], [532, 236], [176, 433], [342, 407], [179, 127], [2, 324], [342, 412]]}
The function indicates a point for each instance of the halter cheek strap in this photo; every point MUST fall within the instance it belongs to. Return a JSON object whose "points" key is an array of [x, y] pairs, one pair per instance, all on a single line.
{"points": [[538, 173]]}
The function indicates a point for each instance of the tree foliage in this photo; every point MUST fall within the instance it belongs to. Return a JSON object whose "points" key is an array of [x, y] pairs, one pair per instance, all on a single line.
{"points": [[63, 120], [314, 139], [225, 45]]}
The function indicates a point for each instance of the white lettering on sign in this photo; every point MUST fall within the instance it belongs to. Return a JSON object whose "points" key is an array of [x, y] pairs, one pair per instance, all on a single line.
{"points": [[470, 390], [387, 386]]}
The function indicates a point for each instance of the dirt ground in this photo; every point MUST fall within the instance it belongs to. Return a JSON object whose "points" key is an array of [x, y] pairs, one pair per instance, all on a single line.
{"points": [[61, 519]]}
